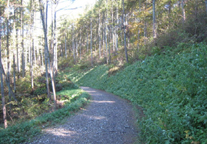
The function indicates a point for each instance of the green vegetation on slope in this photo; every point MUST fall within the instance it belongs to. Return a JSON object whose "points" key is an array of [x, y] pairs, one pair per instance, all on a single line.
{"points": [[171, 87], [70, 99]]}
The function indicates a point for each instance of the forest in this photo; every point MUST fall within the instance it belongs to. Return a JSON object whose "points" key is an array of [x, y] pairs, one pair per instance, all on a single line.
{"points": [[150, 52]]}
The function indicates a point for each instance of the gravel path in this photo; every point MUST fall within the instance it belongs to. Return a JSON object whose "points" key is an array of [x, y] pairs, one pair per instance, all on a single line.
{"points": [[108, 119]]}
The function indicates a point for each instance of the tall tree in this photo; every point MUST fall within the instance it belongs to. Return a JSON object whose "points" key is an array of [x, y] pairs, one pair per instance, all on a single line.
{"points": [[47, 53], [2, 84], [22, 43], [206, 5], [91, 44], [154, 20], [55, 38], [125, 48], [31, 43]]}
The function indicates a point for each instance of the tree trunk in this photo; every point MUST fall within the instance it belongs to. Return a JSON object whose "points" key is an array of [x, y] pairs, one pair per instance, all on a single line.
{"points": [[117, 22], [91, 45], [206, 5], [14, 64], [73, 44], [145, 27], [8, 60], [55, 40], [22, 27], [109, 50], [125, 48], [65, 46], [3, 100], [47, 55], [17, 53], [183, 11], [99, 36], [80, 44], [31, 44], [2, 89], [106, 43], [169, 14], [154, 21], [45, 51]]}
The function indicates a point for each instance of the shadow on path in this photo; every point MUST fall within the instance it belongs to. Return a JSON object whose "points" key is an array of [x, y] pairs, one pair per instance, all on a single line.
{"points": [[108, 119]]}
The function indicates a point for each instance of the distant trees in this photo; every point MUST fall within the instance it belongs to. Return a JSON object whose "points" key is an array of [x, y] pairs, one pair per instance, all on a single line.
{"points": [[141, 22], [112, 31]]}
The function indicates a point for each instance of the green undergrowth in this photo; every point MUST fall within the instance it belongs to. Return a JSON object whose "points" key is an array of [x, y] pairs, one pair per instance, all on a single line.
{"points": [[74, 99], [170, 86]]}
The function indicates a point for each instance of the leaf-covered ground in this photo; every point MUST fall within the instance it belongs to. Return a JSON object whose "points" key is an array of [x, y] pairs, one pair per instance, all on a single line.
{"points": [[170, 86]]}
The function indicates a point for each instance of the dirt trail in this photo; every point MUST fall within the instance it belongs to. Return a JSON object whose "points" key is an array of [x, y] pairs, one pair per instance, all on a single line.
{"points": [[108, 119]]}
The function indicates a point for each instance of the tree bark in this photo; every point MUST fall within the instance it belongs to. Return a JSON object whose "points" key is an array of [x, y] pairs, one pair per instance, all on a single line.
{"points": [[17, 53], [65, 46], [8, 60], [206, 5], [31, 45], [73, 44], [125, 48], [22, 43], [47, 55], [99, 36], [183, 11], [154, 21], [91, 45], [2, 88], [55, 39]]}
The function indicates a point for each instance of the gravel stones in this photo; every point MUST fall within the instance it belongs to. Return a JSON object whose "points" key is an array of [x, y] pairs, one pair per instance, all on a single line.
{"points": [[108, 119]]}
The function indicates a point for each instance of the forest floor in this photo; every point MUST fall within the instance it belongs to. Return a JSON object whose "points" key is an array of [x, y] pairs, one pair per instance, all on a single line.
{"points": [[108, 119]]}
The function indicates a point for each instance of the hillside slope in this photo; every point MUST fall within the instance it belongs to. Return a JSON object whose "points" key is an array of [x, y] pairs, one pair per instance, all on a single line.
{"points": [[171, 87]]}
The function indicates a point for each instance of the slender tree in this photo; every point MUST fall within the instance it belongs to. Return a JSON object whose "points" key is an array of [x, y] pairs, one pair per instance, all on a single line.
{"points": [[2, 84], [154, 20], [91, 44], [125, 48], [22, 43], [47, 54]]}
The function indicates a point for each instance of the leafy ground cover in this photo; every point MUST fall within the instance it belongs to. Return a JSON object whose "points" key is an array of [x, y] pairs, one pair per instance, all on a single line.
{"points": [[170, 86], [38, 108]]}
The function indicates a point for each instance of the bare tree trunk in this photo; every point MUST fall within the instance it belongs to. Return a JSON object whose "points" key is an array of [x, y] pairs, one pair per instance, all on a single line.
{"points": [[65, 46], [106, 43], [3, 99], [73, 44], [154, 21], [99, 36], [145, 27], [206, 5], [8, 60], [2, 89], [125, 48], [76, 45], [183, 11], [31, 44], [109, 50], [80, 43], [22, 27], [55, 39], [46, 63], [87, 40], [47, 55], [91, 45], [17, 53], [169, 14], [117, 22], [14, 64]]}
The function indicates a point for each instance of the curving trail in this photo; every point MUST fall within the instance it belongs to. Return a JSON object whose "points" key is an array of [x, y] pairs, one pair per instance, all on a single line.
{"points": [[108, 119]]}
